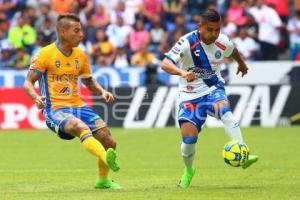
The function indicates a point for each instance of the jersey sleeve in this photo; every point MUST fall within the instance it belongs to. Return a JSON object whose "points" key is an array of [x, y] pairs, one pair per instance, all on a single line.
{"points": [[38, 63], [178, 50], [229, 46], [85, 70]]}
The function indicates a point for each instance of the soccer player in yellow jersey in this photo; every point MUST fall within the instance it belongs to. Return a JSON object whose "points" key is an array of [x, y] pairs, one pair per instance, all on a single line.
{"points": [[58, 67]]}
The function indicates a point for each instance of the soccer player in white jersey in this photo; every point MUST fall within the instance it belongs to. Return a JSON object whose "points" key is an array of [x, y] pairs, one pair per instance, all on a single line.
{"points": [[201, 87]]}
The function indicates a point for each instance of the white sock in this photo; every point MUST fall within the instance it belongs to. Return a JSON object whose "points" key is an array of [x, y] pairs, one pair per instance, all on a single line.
{"points": [[232, 127], [188, 153]]}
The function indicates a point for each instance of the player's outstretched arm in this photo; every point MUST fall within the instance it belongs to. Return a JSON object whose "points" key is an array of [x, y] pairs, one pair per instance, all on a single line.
{"points": [[94, 86], [242, 67], [169, 67], [31, 78]]}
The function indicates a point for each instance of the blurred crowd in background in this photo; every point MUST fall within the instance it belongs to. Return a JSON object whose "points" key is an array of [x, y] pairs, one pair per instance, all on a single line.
{"points": [[137, 32]]}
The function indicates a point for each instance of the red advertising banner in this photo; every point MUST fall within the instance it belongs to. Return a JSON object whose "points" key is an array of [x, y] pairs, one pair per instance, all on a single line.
{"points": [[18, 111]]}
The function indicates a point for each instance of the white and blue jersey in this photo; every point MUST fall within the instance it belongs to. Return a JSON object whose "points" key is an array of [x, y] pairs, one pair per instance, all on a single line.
{"points": [[192, 54], [198, 97]]}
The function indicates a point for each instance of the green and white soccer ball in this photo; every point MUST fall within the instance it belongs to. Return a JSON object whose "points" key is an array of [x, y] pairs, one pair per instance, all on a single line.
{"points": [[235, 154]]}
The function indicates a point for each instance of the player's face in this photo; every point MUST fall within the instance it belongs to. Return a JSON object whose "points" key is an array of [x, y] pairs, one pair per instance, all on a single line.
{"points": [[210, 31], [74, 35]]}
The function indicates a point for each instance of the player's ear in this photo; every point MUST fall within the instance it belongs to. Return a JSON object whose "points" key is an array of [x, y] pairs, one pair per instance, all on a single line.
{"points": [[62, 31], [201, 23]]}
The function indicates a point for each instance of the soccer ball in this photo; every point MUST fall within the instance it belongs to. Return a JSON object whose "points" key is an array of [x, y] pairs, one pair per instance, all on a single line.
{"points": [[235, 154]]}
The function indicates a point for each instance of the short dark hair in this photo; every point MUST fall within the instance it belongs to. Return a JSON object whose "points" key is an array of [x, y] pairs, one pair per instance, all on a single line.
{"points": [[63, 19], [70, 16], [210, 15]]}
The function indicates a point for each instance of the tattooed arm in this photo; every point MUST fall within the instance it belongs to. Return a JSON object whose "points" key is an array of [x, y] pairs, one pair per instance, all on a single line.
{"points": [[31, 78], [94, 86]]}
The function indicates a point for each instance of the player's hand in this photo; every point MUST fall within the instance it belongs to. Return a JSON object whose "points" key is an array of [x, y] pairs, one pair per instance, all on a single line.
{"points": [[243, 69], [108, 97], [189, 76], [40, 102]]}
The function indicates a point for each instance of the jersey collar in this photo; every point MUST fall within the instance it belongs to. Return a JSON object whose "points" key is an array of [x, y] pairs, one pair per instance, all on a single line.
{"points": [[61, 51]]}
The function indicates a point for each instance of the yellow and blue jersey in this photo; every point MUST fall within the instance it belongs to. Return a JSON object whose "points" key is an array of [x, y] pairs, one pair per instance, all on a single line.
{"points": [[59, 76], [59, 84]]}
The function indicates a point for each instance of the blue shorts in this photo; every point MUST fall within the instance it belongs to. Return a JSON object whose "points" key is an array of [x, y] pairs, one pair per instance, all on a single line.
{"points": [[196, 110], [57, 119]]}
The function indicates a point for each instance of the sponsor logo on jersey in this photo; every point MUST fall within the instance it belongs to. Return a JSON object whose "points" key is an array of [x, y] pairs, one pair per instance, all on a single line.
{"points": [[63, 77], [77, 66], [197, 53], [201, 72], [65, 90], [218, 54], [189, 88], [57, 63]]}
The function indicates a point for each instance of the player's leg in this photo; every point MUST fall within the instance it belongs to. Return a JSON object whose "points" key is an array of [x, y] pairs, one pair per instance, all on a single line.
{"points": [[188, 148], [78, 128], [102, 134], [221, 109], [188, 145], [231, 126], [67, 126], [104, 137], [190, 118]]}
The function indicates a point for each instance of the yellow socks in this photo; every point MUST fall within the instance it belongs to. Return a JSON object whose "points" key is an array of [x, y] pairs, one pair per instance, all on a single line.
{"points": [[92, 145], [103, 168]]}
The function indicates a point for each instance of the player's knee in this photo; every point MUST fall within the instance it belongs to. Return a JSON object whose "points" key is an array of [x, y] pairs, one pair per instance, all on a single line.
{"points": [[189, 139], [221, 108], [189, 129], [111, 143], [77, 126], [103, 135]]}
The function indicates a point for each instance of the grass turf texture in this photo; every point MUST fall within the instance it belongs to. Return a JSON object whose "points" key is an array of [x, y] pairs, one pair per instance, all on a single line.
{"points": [[38, 165]]}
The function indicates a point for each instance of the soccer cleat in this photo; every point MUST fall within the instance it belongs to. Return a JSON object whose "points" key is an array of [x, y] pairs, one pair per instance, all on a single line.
{"points": [[112, 160], [251, 159], [106, 183], [186, 178]]}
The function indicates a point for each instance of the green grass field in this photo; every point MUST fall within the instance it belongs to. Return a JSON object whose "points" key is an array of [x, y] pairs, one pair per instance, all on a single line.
{"points": [[38, 165]]}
